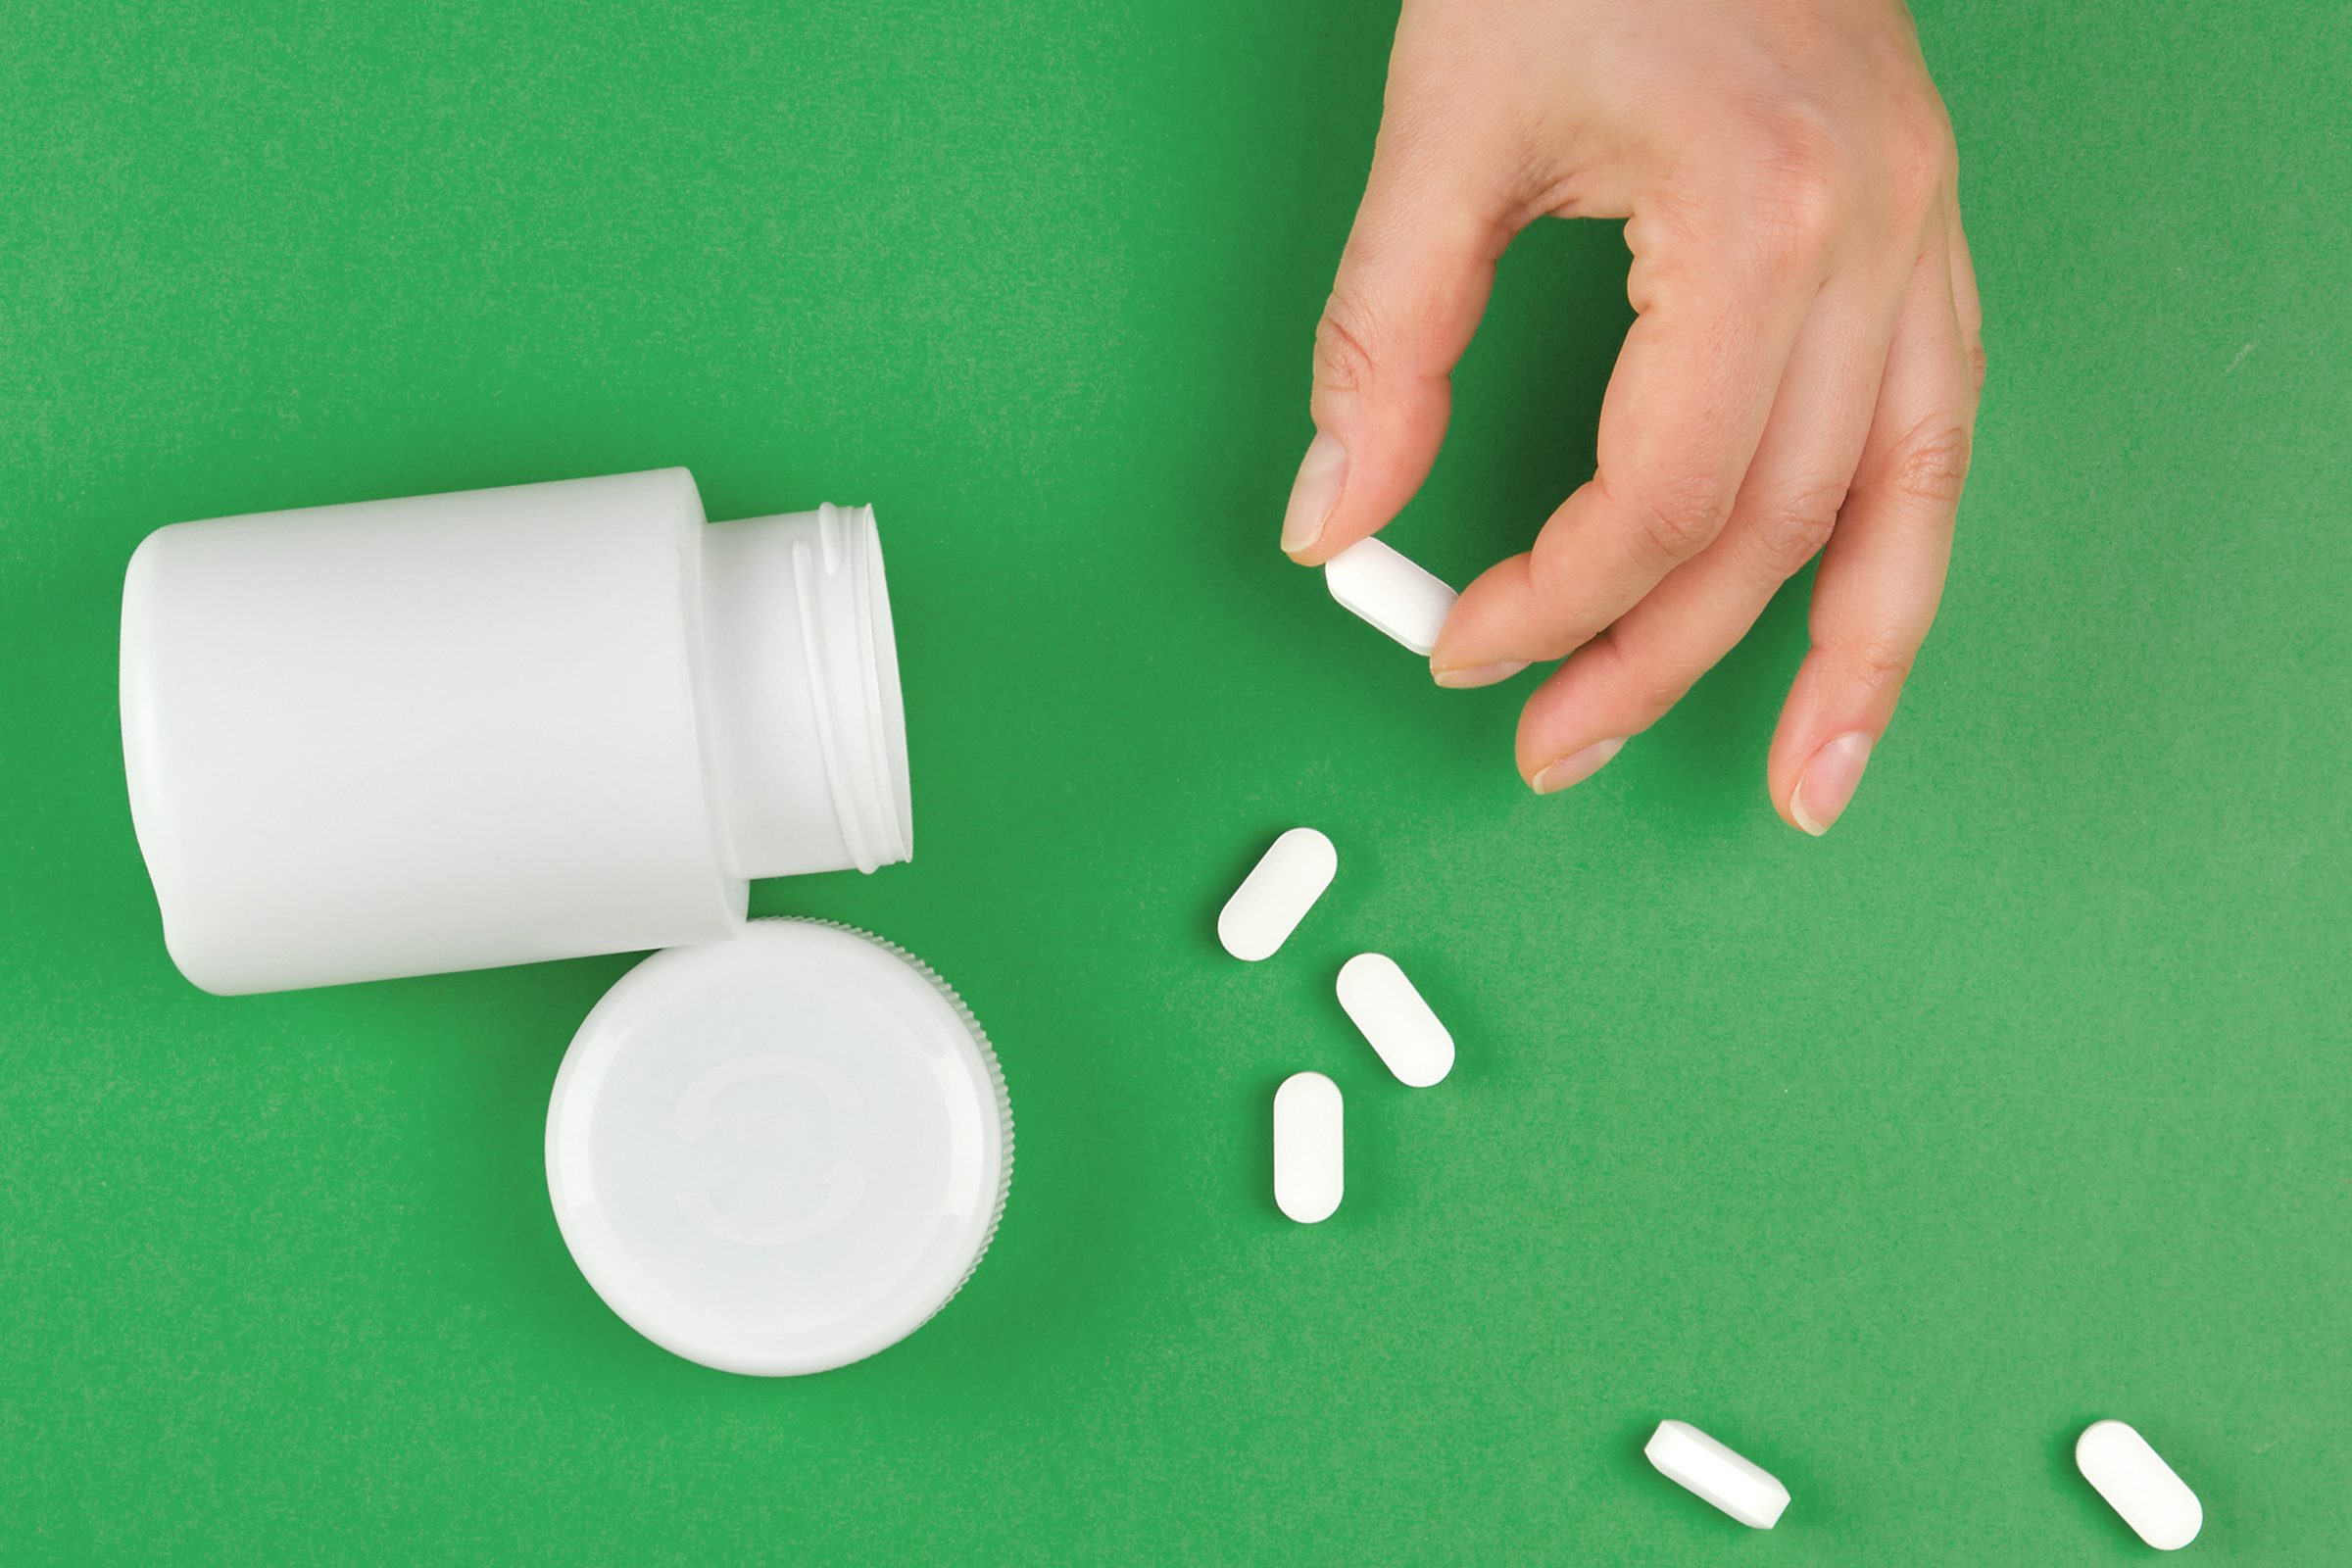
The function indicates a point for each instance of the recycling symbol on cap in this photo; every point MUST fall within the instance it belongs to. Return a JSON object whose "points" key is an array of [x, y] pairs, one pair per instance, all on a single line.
{"points": [[699, 1114]]}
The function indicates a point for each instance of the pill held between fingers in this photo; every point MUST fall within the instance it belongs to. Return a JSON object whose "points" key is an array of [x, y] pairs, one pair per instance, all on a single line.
{"points": [[1309, 1147], [1277, 893], [1393, 594], [2138, 1485], [1400, 1025], [1696, 1462]]}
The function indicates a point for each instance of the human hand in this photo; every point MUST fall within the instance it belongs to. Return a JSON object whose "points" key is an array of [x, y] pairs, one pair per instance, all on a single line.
{"points": [[1802, 375]]}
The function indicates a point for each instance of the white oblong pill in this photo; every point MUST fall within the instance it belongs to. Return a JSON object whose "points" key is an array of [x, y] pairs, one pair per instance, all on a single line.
{"points": [[1310, 1166], [1396, 1020], [2138, 1485], [1277, 893], [1391, 592], [1696, 1462]]}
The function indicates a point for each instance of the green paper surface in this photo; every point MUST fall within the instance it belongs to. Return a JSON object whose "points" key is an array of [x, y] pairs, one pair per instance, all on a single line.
{"points": [[1892, 1159]]}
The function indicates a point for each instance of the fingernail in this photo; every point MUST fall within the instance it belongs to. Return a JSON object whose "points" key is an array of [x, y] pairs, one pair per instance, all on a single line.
{"points": [[1827, 782], [1576, 767], [1477, 674], [1313, 493]]}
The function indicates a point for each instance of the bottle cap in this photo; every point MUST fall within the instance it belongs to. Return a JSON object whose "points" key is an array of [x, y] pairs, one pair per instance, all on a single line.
{"points": [[781, 1152]]}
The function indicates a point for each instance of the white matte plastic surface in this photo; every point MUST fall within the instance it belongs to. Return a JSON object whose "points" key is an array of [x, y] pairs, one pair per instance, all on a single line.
{"points": [[2138, 1485], [1277, 893], [1391, 592], [780, 1152], [1696, 1462], [1310, 1166], [1400, 1025], [445, 732]]}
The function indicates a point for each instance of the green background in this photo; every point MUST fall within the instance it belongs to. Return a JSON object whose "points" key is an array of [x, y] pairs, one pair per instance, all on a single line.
{"points": [[1891, 1158]]}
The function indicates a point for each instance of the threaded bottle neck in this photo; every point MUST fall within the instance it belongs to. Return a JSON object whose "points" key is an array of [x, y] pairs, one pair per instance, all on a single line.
{"points": [[806, 728]]}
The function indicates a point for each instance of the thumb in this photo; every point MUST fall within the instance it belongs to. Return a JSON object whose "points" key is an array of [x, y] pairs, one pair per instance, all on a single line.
{"points": [[1413, 284]]}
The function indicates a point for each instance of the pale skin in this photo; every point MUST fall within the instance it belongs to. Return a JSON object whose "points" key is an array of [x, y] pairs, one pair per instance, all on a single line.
{"points": [[1800, 380]]}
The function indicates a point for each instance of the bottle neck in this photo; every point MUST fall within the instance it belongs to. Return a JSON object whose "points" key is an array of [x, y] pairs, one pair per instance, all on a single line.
{"points": [[806, 728]]}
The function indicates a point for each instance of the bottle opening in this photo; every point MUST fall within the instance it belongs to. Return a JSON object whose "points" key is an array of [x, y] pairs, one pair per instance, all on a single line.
{"points": [[885, 700]]}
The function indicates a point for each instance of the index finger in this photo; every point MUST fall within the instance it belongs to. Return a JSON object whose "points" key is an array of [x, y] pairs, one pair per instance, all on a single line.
{"points": [[1686, 406]]}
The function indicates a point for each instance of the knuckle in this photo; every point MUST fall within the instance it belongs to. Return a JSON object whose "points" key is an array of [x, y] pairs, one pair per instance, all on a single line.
{"points": [[1675, 519], [1803, 191], [1875, 661], [1919, 159], [1791, 528], [1930, 464], [1343, 361], [1657, 685]]}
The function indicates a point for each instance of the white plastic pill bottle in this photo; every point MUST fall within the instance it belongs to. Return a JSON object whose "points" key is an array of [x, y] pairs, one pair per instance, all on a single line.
{"points": [[413, 736]]}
